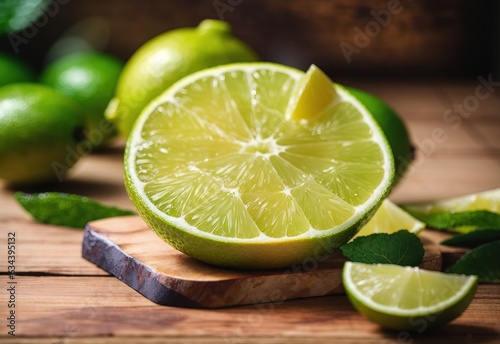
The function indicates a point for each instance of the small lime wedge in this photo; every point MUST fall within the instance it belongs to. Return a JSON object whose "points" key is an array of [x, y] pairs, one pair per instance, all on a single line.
{"points": [[459, 222], [312, 95], [389, 218], [407, 298], [486, 200]]}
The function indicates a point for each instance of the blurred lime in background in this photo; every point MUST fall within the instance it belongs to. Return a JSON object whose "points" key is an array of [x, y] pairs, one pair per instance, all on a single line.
{"points": [[90, 79], [40, 130], [167, 58], [12, 70]]}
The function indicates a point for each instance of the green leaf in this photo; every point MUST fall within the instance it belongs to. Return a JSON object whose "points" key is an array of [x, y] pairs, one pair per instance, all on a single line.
{"points": [[401, 248], [66, 209], [483, 261], [473, 239], [461, 222]]}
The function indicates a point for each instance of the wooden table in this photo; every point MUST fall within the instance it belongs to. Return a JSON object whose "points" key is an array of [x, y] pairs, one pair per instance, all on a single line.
{"points": [[62, 298]]}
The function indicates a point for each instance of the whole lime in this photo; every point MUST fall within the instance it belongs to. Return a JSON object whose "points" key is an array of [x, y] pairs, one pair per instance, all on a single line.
{"points": [[90, 79], [12, 70], [40, 133], [167, 58], [393, 127]]}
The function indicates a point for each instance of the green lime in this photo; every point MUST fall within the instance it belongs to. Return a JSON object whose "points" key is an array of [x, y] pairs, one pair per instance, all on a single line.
{"points": [[167, 58], [12, 71], [407, 298], [218, 168], [40, 129], [89, 78], [393, 127]]}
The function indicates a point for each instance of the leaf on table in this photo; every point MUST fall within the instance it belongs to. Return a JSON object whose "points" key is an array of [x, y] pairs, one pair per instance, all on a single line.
{"points": [[401, 248], [483, 261], [473, 239], [461, 222], [66, 209]]}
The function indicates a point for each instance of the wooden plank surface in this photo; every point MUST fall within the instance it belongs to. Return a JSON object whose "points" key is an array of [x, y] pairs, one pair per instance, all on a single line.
{"points": [[130, 251], [103, 307], [62, 298]]}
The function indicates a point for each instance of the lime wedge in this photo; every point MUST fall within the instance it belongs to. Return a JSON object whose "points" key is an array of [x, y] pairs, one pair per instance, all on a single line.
{"points": [[486, 200], [459, 222], [312, 95], [462, 214], [217, 169], [389, 218], [405, 298]]}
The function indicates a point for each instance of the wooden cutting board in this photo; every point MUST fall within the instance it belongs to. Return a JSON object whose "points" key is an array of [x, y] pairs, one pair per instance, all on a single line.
{"points": [[129, 250]]}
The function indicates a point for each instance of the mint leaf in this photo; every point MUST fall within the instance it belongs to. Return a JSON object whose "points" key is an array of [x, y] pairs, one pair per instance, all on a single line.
{"points": [[483, 261], [66, 209], [400, 248], [473, 239], [462, 222]]}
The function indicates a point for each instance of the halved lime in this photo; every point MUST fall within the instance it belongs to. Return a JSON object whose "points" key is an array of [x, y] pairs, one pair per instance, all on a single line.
{"points": [[407, 298], [217, 169], [389, 218]]}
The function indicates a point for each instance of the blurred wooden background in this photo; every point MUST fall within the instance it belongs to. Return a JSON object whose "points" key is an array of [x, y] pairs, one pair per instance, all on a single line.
{"points": [[427, 37]]}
